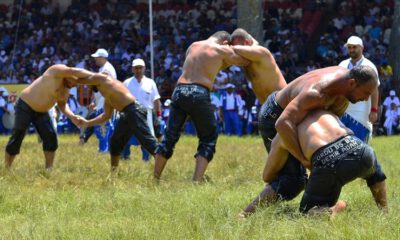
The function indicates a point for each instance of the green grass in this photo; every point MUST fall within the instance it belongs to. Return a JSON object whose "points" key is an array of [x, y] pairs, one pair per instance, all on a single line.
{"points": [[79, 200]]}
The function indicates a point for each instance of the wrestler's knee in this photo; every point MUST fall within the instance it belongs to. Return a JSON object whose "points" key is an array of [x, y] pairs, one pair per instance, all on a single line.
{"points": [[206, 149], [171, 137], [368, 160], [306, 203], [14, 144], [50, 142], [164, 150], [289, 187], [167, 145], [377, 174]]}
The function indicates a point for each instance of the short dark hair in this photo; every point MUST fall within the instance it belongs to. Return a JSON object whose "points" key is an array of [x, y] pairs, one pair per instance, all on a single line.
{"points": [[363, 74], [241, 34], [221, 36]]}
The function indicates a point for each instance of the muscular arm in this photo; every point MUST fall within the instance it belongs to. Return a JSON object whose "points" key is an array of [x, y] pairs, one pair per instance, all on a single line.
{"points": [[230, 57], [157, 106], [293, 114], [102, 118], [373, 116], [276, 159], [64, 108], [252, 53], [63, 71]]}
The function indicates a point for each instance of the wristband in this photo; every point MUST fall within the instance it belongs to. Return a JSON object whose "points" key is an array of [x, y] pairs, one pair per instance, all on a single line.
{"points": [[374, 110]]}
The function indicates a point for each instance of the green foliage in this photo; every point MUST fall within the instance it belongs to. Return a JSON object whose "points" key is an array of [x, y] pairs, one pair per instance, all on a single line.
{"points": [[80, 200]]}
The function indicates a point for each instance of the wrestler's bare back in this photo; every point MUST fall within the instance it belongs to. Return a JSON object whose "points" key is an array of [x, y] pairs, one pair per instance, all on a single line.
{"points": [[265, 76], [114, 92], [315, 80], [204, 59], [319, 129], [45, 91]]}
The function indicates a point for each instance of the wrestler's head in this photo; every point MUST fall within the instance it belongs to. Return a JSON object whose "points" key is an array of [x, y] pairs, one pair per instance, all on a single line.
{"points": [[363, 82], [241, 37], [222, 37]]}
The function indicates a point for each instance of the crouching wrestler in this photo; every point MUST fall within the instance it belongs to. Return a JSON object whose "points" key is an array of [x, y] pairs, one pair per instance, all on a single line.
{"points": [[337, 158]]}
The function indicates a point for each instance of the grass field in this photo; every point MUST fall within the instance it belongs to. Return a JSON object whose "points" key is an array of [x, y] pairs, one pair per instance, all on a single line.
{"points": [[79, 200]]}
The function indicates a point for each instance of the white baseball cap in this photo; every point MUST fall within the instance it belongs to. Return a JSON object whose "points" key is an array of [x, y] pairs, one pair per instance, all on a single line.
{"points": [[167, 102], [392, 93], [229, 85], [138, 62], [101, 52], [354, 40]]}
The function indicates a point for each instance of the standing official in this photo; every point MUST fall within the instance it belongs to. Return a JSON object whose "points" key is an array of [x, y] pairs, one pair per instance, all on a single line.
{"points": [[146, 92], [360, 116]]}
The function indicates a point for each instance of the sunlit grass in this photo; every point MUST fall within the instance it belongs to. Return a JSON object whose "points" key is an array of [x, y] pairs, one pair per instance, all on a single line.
{"points": [[80, 200]]}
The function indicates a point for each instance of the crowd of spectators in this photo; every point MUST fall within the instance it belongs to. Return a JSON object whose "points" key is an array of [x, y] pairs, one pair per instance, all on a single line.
{"points": [[371, 21], [48, 35]]}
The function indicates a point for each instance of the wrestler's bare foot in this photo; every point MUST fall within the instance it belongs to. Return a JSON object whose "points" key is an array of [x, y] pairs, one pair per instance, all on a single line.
{"points": [[200, 168], [332, 211], [266, 196], [339, 207], [243, 215]]}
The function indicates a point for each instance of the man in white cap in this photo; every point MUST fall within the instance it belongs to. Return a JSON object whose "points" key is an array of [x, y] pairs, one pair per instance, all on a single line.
{"points": [[360, 116], [146, 92], [231, 106], [100, 57], [103, 133], [392, 98]]}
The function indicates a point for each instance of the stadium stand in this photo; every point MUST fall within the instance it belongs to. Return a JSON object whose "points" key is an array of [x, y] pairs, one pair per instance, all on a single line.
{"points": [[49, 34]]}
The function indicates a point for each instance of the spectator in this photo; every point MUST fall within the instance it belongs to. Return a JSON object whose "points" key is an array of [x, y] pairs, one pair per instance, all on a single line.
{"points": [[231, 105], [386, 74], [391, 119], [392, 98]]}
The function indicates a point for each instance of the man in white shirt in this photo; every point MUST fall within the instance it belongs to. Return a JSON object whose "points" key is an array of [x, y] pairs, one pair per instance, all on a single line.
{"points": [[103, 132], [360, 116], [392, 98], [391, 119], [231, 104], [3, 107], [146, 92]]}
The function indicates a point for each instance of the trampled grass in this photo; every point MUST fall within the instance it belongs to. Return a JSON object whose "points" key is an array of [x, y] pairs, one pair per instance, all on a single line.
{"points": [[79, 200]]}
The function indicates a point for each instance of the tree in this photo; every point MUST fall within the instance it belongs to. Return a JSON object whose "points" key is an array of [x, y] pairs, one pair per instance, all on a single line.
{"points": [[250, 18]]}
